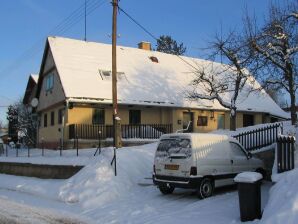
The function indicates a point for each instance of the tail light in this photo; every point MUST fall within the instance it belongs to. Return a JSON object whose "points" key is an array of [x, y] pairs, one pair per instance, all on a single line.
{"points": [[154, 168], [193, 171]]}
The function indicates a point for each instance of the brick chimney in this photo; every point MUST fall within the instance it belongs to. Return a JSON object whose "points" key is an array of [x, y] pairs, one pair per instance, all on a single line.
{"points": [[145, 45]]}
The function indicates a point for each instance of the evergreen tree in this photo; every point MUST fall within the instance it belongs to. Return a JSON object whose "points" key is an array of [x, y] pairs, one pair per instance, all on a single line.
{"points": [[168, 45]]}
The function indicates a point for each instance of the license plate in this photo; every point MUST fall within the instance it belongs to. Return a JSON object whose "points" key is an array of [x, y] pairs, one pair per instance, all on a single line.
{"points": [[171, 167]]}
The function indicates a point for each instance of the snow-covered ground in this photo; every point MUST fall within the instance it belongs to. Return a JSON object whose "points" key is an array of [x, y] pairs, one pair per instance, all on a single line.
{"points": [[97, 196]]}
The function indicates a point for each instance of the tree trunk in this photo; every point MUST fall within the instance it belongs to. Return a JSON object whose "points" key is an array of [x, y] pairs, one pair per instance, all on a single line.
{"points": [[292, 92], [293, 109], [233, 120]]}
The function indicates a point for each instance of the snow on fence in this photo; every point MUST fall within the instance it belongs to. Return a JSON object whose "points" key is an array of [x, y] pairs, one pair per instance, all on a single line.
{"points": [[285, 153], [259, 138], [142, 131]]}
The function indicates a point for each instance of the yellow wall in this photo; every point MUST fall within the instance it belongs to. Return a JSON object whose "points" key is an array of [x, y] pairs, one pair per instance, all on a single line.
{"points": [[51, 132], [83, 115], [177, 115], [154, 115]]}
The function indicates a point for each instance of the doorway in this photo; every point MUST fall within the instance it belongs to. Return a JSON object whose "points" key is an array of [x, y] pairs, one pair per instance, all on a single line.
{"points": [[220, 121], [188, 117]]}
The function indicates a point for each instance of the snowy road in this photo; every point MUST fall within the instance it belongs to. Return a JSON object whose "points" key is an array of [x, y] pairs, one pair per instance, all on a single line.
{"points": [[16, 213]]}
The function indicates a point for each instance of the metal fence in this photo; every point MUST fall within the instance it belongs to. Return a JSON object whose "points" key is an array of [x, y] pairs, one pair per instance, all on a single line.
{"points": [[285, 153], [259, 138], [128, 131]]}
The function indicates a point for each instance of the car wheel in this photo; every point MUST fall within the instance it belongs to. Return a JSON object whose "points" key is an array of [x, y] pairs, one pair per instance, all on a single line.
{"points": [[166, 188], [206, 188]]}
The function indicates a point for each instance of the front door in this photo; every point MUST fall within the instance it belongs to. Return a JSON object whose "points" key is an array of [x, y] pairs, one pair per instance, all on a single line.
{"points": [[220, 121], [188, 117]]}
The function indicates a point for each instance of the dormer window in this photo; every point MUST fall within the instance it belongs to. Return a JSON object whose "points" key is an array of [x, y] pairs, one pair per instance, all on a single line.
{"points": [[49, 82], [107, 75]]}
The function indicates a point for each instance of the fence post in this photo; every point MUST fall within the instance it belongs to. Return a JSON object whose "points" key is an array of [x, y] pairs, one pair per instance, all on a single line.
{"points": [[42, 146], [77, 139], [285, 153], [60, 147], [28, 151]]}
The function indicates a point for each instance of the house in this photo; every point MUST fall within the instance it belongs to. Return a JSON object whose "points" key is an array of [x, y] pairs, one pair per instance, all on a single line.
{"points": [[75, 97], [31, 89]]}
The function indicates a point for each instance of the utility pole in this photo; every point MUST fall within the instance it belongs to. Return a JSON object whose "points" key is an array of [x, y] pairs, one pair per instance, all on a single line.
{"points": [[116, 119], [85, 37]]}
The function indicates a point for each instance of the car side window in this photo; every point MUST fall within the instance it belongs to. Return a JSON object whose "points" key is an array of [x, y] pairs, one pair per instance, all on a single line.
{"points": [[236, 150]]}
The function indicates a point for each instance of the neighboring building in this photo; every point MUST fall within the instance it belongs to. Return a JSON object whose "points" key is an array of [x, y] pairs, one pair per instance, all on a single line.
{"points": [[74, 88], [31, 89]]}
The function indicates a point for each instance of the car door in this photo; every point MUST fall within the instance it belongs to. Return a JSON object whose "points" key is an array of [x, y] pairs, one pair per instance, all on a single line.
{"points": [[239, 159]]}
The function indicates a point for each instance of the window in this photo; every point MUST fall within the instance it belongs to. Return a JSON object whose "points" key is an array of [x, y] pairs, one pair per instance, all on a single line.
{"points": [[202, 121], [237, 150], [45, 120], [49, 82], [248, 120], [98, 116], [107, 75], [52, 118], [134, 117], [168, 147], [60, 115]]}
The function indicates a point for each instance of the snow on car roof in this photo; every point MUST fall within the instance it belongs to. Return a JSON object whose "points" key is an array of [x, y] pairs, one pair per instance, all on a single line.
{"points": [[85, 68]]}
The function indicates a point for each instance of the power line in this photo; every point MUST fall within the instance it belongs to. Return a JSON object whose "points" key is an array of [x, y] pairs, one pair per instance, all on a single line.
{"points": [[60, 29], [153, 36]]}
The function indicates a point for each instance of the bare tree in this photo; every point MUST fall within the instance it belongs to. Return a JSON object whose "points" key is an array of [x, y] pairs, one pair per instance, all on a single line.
{"points": [[224, 82], [276, 45]]}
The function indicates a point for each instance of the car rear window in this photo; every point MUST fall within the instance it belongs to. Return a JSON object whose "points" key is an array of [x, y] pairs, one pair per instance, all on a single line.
{"points": [[168, 147]]}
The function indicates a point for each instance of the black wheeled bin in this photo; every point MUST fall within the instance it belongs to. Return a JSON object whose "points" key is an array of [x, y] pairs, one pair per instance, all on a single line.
{"points": [[249, 192]]}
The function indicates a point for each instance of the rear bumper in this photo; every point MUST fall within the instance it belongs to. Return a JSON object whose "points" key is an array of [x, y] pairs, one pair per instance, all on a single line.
{"points": [[180, 182]]}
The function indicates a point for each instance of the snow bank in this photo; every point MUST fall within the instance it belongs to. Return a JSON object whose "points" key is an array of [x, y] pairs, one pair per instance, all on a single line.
{"points": [[96, 183], [282, 206]]}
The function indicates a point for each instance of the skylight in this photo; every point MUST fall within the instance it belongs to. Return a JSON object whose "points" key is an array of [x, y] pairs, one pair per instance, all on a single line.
{"points": [[154, 59], [107, 75]]}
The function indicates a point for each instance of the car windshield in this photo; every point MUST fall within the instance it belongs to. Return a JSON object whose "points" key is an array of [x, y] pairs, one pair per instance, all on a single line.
{"points": [[174, 147]]}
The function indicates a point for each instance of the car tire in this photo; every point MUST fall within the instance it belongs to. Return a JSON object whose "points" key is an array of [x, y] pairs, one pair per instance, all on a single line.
{"points": [[166, 189], [206, 188]]}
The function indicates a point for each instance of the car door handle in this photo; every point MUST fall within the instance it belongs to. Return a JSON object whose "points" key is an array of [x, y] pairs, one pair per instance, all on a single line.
{"points": [[232, 161]]}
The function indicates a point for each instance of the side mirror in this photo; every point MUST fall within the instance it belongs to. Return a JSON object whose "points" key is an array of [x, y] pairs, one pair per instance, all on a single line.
{"points": [[249, 155]]}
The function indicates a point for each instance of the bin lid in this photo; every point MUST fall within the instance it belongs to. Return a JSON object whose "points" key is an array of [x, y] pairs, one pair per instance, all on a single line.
{"points": [[248, 177]]}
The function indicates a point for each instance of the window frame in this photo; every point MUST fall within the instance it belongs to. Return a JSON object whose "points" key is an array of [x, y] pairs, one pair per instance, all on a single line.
{"points": [[49, 82], [202, 121], [245, 153], [98, 121], [132, 118], [52, 118], [60, 115], [45, 120]]}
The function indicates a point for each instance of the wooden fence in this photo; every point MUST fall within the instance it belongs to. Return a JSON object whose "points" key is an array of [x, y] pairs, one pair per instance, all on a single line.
{"points": [[285, 153], [142, 131], [259, 138]]}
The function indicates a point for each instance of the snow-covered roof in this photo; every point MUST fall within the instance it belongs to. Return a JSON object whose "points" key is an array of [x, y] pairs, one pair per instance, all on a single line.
{"points": [[84, 72], [34, 77]]}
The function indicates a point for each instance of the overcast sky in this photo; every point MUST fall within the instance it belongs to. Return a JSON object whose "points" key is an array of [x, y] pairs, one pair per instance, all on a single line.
{"points": [[25, 24]]}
